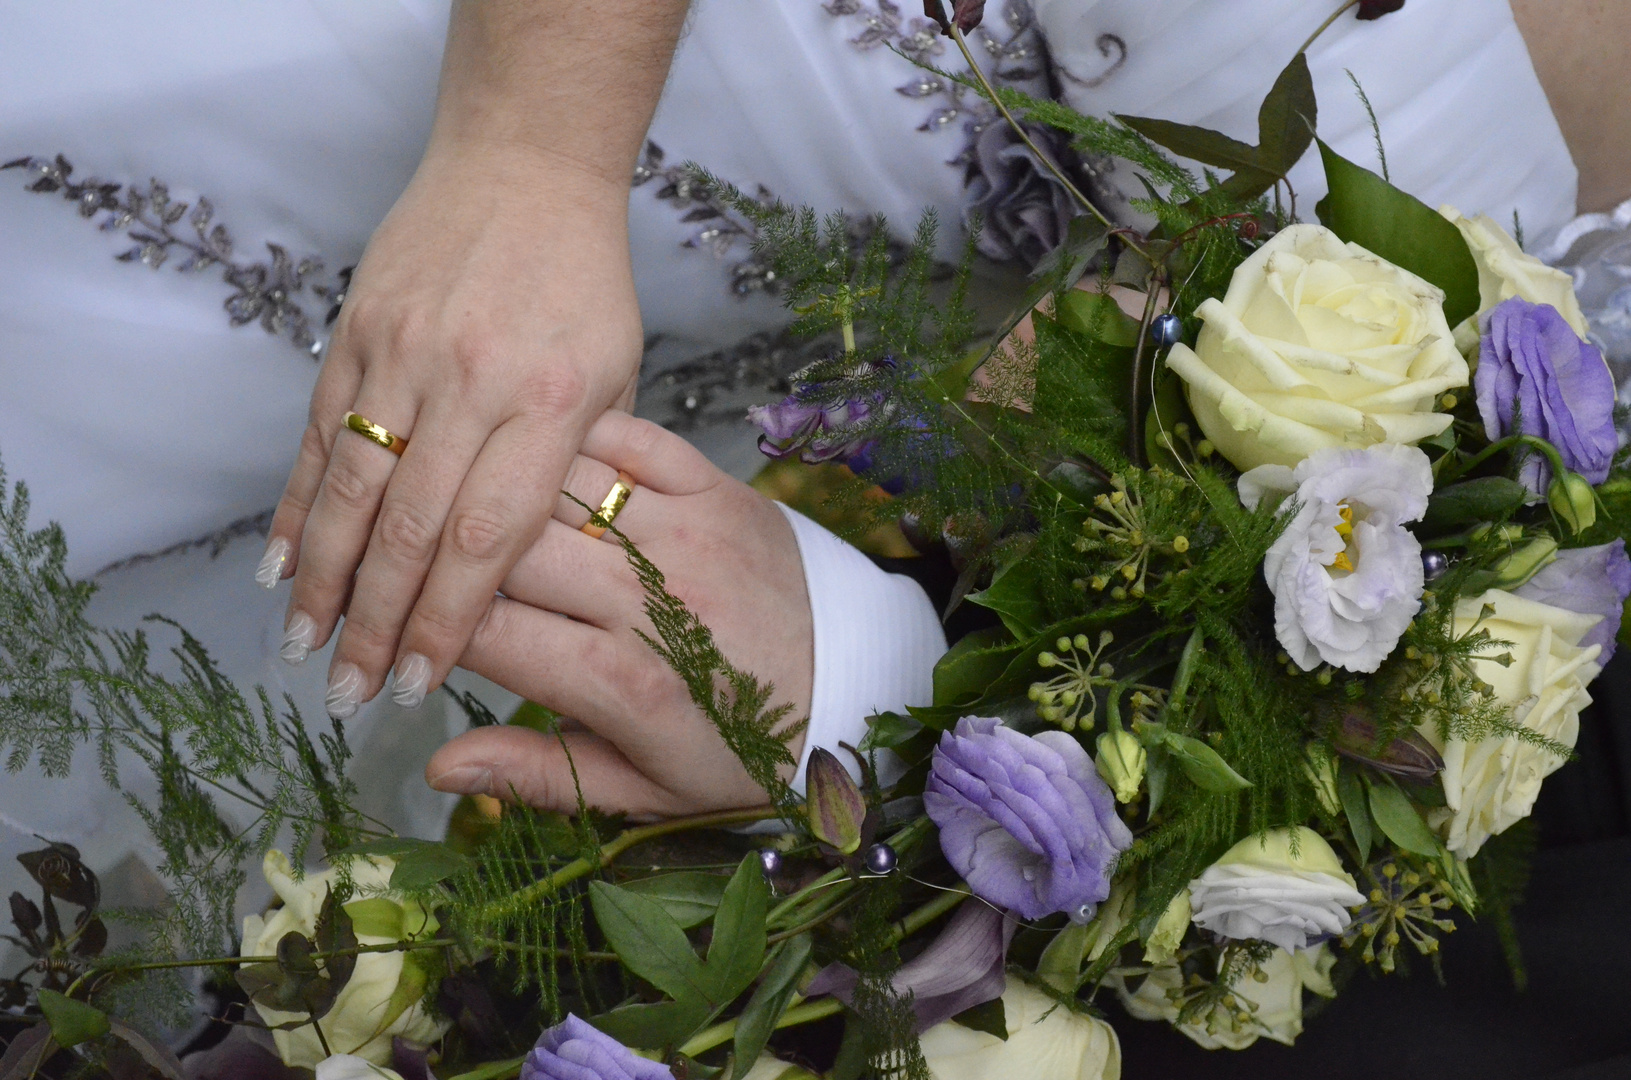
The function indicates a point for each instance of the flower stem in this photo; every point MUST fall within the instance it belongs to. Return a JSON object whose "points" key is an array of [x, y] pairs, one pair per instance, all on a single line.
{"points": [[1549, 451], [1327, 24]]}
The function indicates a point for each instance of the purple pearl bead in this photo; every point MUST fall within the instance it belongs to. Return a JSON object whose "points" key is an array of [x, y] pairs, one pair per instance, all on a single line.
{"points": [[771, 860], [1434, 564], [1165, 330], [881, 859]]}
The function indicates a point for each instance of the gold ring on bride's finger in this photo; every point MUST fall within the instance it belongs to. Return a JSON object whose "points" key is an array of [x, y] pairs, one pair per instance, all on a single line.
{"points": [[375, 434], [610, 506]]}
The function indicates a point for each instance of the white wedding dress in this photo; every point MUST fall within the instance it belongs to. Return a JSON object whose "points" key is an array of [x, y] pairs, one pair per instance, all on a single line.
{"points": [[158, 433]]}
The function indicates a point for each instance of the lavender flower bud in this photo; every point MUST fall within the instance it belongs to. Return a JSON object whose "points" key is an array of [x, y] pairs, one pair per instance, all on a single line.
{"points": [[1409, 756], [834, 804], [1524, 563]]}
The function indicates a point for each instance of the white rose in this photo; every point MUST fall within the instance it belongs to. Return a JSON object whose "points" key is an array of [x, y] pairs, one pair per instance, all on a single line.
{"points": [[382, 999], [1285, 887], [1505, 271], [1346, 574], [1046, 1041], [1274, 1008], [1493, 783], [1318, 344], [351, 1067]]}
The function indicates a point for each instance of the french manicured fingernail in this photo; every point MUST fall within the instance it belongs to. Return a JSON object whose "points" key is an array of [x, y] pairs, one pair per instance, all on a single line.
{"points": [[270, 571], [412, 680], [344, 691], [464, 780], [298, 638]]}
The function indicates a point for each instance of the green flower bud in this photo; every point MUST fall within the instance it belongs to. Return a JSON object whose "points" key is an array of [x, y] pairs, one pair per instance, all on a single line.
{"points": [[833, 803], [1572, 499], [1524, 563], [1169, 931], [1121, 762]]}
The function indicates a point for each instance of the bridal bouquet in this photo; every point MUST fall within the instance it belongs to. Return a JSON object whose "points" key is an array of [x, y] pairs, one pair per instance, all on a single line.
{"points": [[1299, 545]]}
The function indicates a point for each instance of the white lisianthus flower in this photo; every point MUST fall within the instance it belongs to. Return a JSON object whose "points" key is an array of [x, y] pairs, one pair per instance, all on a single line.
{"points": [[351, 1067], [1286, 887], [1046, 1041], [1505, 270], [1491, 784], [383, 997], [1278, 1000], [1346, 574], [1318, 344]]}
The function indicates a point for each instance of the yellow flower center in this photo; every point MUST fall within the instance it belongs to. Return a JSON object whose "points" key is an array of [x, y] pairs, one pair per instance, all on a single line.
{"points": [[1345, 529]]}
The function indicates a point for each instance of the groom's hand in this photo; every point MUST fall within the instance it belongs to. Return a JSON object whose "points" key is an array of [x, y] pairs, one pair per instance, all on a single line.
{"points": [[564, 635], [490, 321]]}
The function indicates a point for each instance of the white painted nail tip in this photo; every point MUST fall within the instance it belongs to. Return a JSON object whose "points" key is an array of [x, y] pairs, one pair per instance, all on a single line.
{"points": [[412, 681], [344, 692], [270, 570], [298, 639]]}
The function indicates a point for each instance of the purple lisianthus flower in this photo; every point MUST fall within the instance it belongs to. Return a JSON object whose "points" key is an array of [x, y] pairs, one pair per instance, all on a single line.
{"points": [[1026, 820], [575, 1050], [961, 969], [815, 432], [1536, 377], [1591, 581]]}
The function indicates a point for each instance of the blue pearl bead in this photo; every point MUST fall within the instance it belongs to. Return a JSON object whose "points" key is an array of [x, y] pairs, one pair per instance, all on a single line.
{"points": [[1434, 564], [1166, 330], [771, 860], [881, 859]]}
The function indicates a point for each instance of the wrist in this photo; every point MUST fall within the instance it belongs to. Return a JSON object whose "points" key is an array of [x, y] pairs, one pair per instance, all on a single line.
{"points": [[557, 177]]}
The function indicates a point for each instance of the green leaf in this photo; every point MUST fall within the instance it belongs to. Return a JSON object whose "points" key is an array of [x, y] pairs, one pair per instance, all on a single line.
{"points": [[28, 1052], [649, 942], [1016, 596], [1204, 765], [425, 865], [1200, 144], [1396, 816], [690, 896], [377, 916], [1488, 498], [1082, 384], [991, 1018], [738, 949], [72, 1022], [971, 665], [1358, 814], [655, 1026], [887, 730], [160, 1057], [768, 1002], [1097, 316], [1168, 409], [1364, 209], [1287, 118]]}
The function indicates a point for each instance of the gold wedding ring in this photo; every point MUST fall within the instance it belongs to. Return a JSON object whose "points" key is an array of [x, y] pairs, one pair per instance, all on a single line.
{"points": [[375, 434], [610, 506]]}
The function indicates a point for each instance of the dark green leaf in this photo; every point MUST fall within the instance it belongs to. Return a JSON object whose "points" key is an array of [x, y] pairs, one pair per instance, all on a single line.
{"points": [[991, 1018], [1352, 795], [1016, 596], [1287, 118], [72, 1022], [971, 664], [653, 1027], [1157, 771], [1364, 209], [426, 865], [1098, 316], [28, 1053], [887, 730], [158, 1056], [768, 1002], [334, 933], [690, 896], [1396, 816], [738, 948], [1204, 765], [1201, 144], [1488, 498], [649, 942]]}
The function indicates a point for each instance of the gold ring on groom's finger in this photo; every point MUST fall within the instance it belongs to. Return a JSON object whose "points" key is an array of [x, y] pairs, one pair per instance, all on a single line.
{"points": [[610, 506], [375, 434]]}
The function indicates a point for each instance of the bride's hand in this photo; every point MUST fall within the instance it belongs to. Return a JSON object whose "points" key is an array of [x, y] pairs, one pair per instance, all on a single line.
{"points": [[643, 747]]}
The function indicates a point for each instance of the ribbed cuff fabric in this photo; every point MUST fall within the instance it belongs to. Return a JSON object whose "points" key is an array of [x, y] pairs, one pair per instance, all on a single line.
{"points": [[877, 638]]}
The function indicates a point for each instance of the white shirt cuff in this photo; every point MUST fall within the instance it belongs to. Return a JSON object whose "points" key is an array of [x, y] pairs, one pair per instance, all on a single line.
{"points": [[877, 638]]}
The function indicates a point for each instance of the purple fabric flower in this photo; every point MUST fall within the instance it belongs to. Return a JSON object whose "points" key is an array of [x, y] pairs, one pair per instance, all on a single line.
{"points": [[961, 969], [1591, 581], [1536, 376], [575, 1050], [1025, 819]]}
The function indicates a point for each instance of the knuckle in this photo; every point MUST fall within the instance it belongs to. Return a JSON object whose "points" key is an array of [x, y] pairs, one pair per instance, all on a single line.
{"points": [[347, 486], [406, 534], [365, 638], [474, 353], [479, 533], [554, 394], [644, 439]]}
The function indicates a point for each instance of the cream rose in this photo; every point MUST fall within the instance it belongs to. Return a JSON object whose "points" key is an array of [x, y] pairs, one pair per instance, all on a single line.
{"points": [[351, 1067], [1505, 271], [1273, 1007], [1493, 783], [382, 999], [1046, 1041], [1318, 344], [1286, 887]]}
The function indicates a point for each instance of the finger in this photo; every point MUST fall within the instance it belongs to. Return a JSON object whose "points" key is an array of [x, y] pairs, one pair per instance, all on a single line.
{"points": [[337, 529], [499, 512], [574, 574], [336, 388], [655, 457], [611, 682], [587, 485], [520, 765], [399, 551]]}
